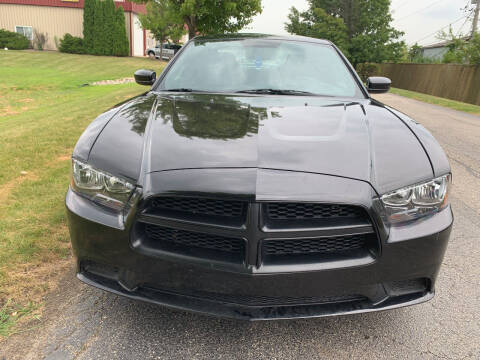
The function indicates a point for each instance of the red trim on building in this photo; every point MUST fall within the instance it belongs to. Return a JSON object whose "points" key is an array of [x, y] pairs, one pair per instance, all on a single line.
{"points": [[131, 35], [55, 3], [127, 6], [137, 8], [144, 41]]}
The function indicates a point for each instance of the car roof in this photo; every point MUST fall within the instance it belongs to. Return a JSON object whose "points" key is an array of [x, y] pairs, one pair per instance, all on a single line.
{"points": [[240, 36]]}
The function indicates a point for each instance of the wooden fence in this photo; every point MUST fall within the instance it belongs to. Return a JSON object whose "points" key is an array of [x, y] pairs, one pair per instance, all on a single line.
{"points": [[451, 81]]}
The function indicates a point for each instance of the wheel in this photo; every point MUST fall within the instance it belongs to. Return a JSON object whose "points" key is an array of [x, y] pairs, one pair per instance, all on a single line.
{"points": [[151, 55]]}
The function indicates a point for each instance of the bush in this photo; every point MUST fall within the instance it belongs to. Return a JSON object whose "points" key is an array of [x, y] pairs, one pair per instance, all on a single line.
{"points": [[104, 29], [108, 26], [39, 39], [121, 46], [365, 70], [473, 51], [88, 24], [13, 40], [71, 44], [98, 34]]}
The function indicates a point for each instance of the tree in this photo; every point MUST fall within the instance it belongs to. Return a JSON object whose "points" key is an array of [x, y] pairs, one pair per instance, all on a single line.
{"points": [[461, 49], [456, 47], [98, 36], [88, 25], [362, 28], [162, 23], [120, 46], [210, 16], [473, 50], [109, 19], [319, 24], [414, 52], [104, 29], [176, 33]]}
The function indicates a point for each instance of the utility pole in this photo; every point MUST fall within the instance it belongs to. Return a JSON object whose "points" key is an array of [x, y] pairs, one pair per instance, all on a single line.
{"points": [[475, 18]]}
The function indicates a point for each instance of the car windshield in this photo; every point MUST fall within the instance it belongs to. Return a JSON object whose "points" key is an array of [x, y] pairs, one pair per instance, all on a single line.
{"points": [[261, 66]]}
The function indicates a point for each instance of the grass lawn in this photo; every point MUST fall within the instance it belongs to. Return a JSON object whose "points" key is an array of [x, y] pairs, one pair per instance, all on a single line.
{"points": [[452, 104], [43, 110]]}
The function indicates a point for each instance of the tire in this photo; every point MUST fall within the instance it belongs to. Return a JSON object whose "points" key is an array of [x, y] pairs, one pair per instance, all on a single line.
{"points": [[151, 55]]}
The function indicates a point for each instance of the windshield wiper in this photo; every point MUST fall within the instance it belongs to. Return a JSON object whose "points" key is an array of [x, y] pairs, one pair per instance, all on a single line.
{"points": [[182, 90], [275, 92]]}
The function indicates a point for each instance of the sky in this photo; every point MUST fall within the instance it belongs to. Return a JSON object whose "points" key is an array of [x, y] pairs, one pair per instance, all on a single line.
{"points": [[419, 19]]}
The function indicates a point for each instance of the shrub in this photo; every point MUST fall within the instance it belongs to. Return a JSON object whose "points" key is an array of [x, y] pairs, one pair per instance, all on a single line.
{"points": [[365, 70], [13, 40], [121, 46], [473, 51], [57, 42], [108, 26], [88, 25], [104, 29], [39, 39], [98, 34], [71, 44]]}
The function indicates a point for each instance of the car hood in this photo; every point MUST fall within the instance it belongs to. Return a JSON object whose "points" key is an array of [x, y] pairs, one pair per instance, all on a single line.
{"points": [[352, 139]]}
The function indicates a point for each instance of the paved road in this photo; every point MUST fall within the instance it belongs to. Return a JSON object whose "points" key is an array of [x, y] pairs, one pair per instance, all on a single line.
{"points": [[85, 323]]}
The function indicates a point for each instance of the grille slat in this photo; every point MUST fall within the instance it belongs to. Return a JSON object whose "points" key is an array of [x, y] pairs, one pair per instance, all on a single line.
{"points": [[336, 244], [194, 239], [303, 211], [199, 206]]}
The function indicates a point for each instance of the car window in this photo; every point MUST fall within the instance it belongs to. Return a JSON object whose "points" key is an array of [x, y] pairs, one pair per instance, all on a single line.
{"points": [[248, 64]]}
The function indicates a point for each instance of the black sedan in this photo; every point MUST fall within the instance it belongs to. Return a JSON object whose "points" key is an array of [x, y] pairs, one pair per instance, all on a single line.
{"points": [[257, 179]]}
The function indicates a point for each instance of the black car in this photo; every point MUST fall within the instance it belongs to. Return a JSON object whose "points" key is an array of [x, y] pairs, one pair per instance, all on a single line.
{"points": [[257, 179]]}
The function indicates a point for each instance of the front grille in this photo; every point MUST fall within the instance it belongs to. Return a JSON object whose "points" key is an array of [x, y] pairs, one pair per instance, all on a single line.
{"points": [[199, 206], [314, 246], [276, 232], [164, 236], [301, 211], [258, 300]]}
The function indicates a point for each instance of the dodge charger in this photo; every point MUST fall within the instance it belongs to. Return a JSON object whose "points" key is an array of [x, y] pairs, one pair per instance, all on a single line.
{"points": [[258, 179]]}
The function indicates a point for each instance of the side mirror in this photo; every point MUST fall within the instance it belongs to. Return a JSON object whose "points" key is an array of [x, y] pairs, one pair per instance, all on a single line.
{"points": [[378, 84], [145, 77]]}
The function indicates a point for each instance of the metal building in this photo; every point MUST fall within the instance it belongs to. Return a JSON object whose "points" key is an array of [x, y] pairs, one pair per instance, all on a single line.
{"points": [[55, 18]]}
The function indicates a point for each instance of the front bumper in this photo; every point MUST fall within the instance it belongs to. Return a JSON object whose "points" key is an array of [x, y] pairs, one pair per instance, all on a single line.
{"points": [[404, 274]]}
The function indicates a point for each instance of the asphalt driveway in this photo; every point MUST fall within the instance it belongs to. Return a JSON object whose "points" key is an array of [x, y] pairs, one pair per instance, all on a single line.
{"points": [[84, 323]]}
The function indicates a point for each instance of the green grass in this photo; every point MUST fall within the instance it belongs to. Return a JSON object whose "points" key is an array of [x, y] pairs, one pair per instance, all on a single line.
{"points": [[43, 110], [452, 104], [10, 315]]}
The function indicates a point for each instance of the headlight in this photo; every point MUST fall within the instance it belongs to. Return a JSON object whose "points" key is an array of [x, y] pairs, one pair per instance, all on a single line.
{"points": [[100, 187], [416, 201]]}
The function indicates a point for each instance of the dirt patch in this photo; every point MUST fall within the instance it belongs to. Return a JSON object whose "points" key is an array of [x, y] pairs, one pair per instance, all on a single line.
{"points": [[64, 158], [8, 111], [60, 277], [6, 189], [27, 100], [114, 82], [31, 282]]}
